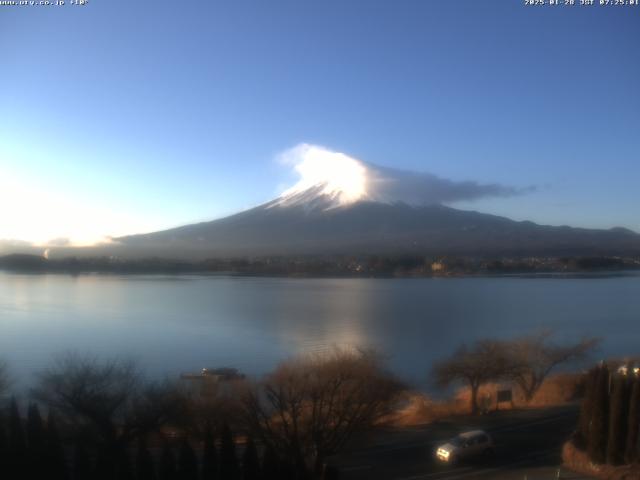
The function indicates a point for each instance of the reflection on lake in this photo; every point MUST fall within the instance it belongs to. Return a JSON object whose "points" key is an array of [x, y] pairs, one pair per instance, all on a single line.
{"points": [[173, 324]]}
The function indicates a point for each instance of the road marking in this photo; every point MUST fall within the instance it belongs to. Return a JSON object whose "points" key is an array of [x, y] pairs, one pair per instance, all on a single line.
{"points": [[433, 474], [478, 472], [490, 470], [465, 473], [356, 468], [392, 447]]}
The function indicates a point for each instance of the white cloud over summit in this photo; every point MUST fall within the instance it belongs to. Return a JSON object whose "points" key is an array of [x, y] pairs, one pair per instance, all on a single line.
{"points": [[347, 180]]}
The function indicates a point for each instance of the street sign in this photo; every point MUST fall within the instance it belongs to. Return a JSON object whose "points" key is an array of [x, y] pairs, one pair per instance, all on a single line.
{"points": [[504, 396]]}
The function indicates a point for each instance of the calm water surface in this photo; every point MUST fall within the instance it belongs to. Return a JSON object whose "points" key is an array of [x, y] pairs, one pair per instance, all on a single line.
{"points": [[172, 324]]}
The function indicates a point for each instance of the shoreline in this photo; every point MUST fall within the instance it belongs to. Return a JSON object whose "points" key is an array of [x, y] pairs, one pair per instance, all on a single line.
{"points": [[556, 275]]}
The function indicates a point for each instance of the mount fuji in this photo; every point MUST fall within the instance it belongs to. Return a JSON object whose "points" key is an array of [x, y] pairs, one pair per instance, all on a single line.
{"points": [[342, 205]]}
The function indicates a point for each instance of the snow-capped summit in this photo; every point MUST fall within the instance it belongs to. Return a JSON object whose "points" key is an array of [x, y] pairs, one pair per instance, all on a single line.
{"points": [[327, 179]]}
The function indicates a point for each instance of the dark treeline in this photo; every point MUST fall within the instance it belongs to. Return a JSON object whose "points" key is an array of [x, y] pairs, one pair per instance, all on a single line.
{"points": [[326, 265], [610, 415], [104, 421], [33, 449]]}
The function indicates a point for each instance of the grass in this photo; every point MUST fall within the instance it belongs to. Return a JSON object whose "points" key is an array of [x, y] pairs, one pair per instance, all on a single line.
{"points": [[418, 408]]}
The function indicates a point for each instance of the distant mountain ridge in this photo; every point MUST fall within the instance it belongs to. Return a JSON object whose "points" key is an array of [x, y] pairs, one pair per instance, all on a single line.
{"points": [[312, 222]]}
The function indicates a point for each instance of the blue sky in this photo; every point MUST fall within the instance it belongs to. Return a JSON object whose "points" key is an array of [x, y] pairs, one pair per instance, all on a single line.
{"points": [[121, 116]]}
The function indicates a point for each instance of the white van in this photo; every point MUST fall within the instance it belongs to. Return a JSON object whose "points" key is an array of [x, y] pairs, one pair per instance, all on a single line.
{"points": [[465, 446]]}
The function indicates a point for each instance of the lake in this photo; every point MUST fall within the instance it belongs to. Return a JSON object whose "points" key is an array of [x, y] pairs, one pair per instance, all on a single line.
{"points": [[174, 324]]}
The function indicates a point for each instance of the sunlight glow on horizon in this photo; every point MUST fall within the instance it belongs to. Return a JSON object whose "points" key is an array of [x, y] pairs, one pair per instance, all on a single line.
{"points": [[45, 217]]}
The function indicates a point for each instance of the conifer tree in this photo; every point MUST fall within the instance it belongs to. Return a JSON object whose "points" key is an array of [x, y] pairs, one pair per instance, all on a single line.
{"points": [[631, 450], [3, 447], [167, 470], [209, 456], [36, 444], [270, 469], [617, 421], [330, 473], [586, 408], [106, 464], [82, 467], [145, 469], [250, 461], [17, 448], [287, 471], [187, 462], [597, 442], [56, 462], [123, 470], [228, 460]]}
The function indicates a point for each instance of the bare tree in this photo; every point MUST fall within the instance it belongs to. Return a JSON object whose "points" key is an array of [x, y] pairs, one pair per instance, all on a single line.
{"points": [[215, 403], [154, 405], [309, 407], [534, 357], [110, 398], [485, 361]]}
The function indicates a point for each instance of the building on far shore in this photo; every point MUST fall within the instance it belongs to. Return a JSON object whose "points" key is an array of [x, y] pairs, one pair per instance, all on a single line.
{"points": [[438, 266]]}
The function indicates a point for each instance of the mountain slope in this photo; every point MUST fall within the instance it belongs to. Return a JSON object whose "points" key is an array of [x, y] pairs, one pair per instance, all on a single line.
{"points": [[311, 223]]}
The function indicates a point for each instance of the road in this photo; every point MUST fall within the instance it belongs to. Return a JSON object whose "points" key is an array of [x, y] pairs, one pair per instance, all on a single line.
{"points": [[528, 445]]}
